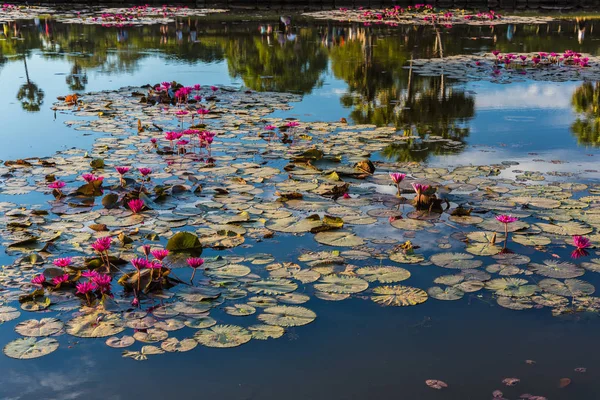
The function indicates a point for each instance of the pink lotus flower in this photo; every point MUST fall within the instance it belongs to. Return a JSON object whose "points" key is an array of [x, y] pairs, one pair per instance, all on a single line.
{"points": [[90, 274], [139, 263], [146, 249], [495, 53], [102, 244], [397, 177], [86, 287], [203, 111], [160, 254], [292, 124], [122, 170], [420, 188], [57, 280], [506, 219], [214, 88], [136, 205], [346, 196], [523, 58], [57, 185], [197, 86], [103, 281], [145, 171], [270, 127], [154, 265], [581, 242], [38, 280], [194, 262], [62, 262], [89, 178], [135, 302], [478, 63]]}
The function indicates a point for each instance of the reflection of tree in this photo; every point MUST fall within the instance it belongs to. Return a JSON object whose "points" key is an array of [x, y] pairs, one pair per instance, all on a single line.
{"points": [[586, 102], [383, 92], [77, 79], [292, 66], [29, 94]]}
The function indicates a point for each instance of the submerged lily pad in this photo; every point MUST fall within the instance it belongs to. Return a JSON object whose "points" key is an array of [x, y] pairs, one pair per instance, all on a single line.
{"points": [[455, 260]]}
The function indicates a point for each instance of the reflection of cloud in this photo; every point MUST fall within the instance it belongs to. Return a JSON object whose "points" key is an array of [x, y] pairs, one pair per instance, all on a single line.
{"points": [[495, 156], [52, 385], [526, 95]]}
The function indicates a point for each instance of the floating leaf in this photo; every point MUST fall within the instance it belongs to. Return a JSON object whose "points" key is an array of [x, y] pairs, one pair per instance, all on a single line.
{"points": [[30, 347], [341, 284], [287, 316], [184, 241], [223, 336], [265, 332], [38, 328], [398, 296], [383, 274]]}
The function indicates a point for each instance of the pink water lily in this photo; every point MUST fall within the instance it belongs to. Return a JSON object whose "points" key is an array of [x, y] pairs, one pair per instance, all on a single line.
{"points": [[90, 274], [397, 177], [122, 171], [89, 178], [57, 185], [103, 282], [581, 243], [145, 171], [85, 288], [136, 205], [102, 245], [63, 262], [160, 254], [60, 279], [506, 219], [194, 262], [38, 280], [139, 264]]}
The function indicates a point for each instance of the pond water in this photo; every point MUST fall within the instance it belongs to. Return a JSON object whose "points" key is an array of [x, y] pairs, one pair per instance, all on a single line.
{"points": [[355, 348]]}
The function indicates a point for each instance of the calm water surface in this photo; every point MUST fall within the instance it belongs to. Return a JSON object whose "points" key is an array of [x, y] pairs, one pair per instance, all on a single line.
{"points": [[355, 349]]}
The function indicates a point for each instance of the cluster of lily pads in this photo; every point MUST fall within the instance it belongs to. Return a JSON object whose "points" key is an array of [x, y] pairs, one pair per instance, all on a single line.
{"points": [[139, 210], [137, 15], [12, 12], [510, 67], [424, 14]]}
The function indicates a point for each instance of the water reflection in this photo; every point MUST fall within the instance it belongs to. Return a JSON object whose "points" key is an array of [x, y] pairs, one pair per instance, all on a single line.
{"points": [[290, 54], [586, 102]]}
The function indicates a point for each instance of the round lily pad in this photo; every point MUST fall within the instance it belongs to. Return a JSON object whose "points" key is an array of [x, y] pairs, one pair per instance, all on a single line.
{"points": [[120, 342], [341, 284], [383, 274], [95, 324], [398, 296], [30, 347], [38, 328], [287, 316], [265, 332], [223, 336]]}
